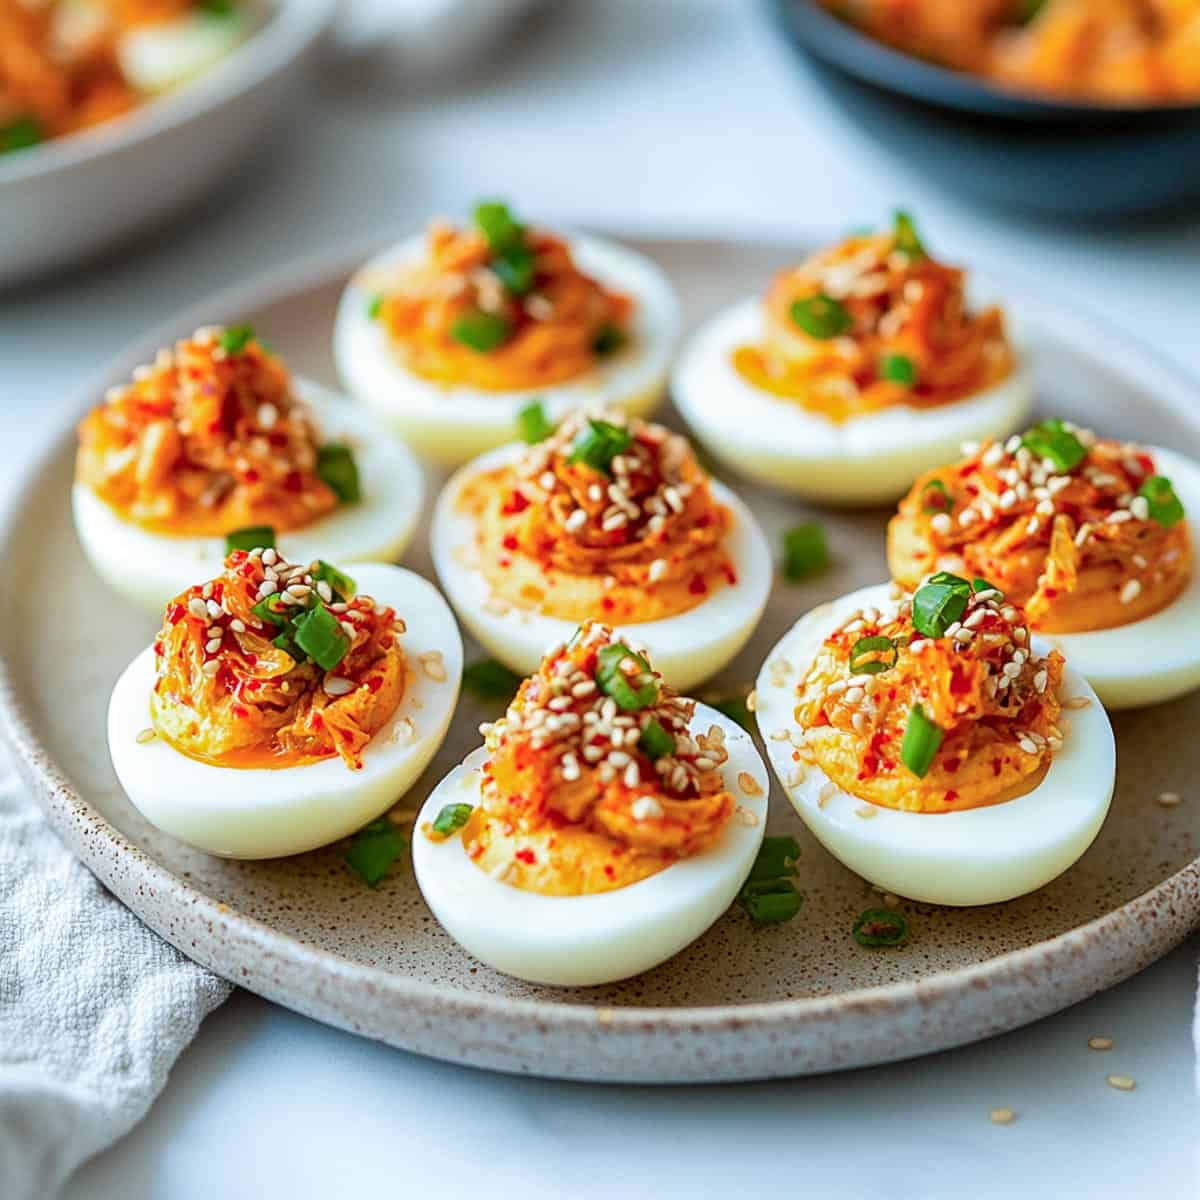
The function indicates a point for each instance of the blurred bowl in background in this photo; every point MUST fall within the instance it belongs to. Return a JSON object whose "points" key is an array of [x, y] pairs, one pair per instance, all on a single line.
{"points": [[76, 196], [1042, 155]]}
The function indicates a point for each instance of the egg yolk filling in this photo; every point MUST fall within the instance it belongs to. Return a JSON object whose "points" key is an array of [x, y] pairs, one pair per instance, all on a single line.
{"points": [[594, 781], [1082, 532], [500, 307], [209, 439], [936, 705], [605, 518], [871, 323], [275, 664]]}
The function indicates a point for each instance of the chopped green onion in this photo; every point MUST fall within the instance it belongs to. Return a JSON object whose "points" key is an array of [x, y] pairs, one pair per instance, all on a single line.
{"points": [[804, 551], [20, 134], [236, 338], [773, 903], [608, 340], [218, 8], [490, 680], [533, 424], [374, 849], [1052, 440], [655, 740], [736, 709], [337, 469], [516, 268], [821, 317], [452, 818], [630, 696], [375, 306], [599, 443], [982, 585], [907, 240], [898, 368], [935, 497], [498, 225], [880, 927], [939, 603], [252, 537], [921, 741], [319, 634], [1165, 506], [342, 586], [1030, 9], [860, 664], [777, 857], [287, 644], [272, 611], [480, 331]]}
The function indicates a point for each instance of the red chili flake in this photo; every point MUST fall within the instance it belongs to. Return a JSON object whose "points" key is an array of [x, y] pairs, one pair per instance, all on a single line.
{"points": [[1051, 593], [952, 764], [252, 685], [697, 586], [237, 557], [252, 659], [240, 712], [278, 440], [318, 721], [251, 476], [293, 481], [1146, 462], [158, 648], [968, 469], [608, 870], [972, 489], [510, 542], [730, 574], [959, 683], [517, 502], [526, 856], [704, 520], [997, 763], [175, 614], [375, 683], [504, 562], [870, 766], [607, 603], [951, 796]]}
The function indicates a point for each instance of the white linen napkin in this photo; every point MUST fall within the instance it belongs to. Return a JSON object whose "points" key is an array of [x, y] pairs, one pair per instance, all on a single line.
{"points": [[94, 1007]]}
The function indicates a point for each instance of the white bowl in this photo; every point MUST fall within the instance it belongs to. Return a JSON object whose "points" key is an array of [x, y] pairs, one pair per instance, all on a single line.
{"points": [[78, 195]]}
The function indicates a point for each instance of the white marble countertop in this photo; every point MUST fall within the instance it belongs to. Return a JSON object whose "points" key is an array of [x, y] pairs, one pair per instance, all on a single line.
{"points": [[683, 116]]}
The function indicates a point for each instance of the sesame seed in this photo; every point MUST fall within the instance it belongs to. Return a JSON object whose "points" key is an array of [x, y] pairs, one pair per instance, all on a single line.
{"points": [[827, 792], [198, 608], [1123, 1083], [1131, 591], [941, 523], [213, 645], [1169, 799], [1078, 702], [145, 735], [1140, 507], [1100, 1043], [748, 784], [633, 775], [1003, 1116], [752, 701], [1027, 745], [576, 521], [432, 665], [337, 685], [211, 667], [646, 808], [1119, 515], [658, 568], [866, 811], [548, 479]]}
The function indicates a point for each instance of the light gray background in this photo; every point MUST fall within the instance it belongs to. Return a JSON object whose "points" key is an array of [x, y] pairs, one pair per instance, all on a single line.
{"points": [[675, 116]]}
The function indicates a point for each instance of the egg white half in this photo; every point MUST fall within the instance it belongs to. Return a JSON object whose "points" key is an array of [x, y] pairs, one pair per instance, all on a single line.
{"points": [[260, 813], [451, 424], [1157, 658], [577, 941], [978, 856], [161, 56], [149, 569], [869, 459], [686, 649]]}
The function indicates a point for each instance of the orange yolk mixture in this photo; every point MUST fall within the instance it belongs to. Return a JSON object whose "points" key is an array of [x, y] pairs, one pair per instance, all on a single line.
{"points": [[500, 307], [606, 518], [594, 781], [272, 665], [875, 322], [208, 439], [980, 699], [1108, 51], [1080, 531]]}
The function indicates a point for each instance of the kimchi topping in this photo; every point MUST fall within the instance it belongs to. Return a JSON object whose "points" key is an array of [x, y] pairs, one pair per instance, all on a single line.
{"points": [[274, 664]]}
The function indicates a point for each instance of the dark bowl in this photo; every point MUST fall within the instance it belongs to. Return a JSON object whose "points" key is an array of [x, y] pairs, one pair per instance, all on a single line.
{"points": [[1045, 156]]}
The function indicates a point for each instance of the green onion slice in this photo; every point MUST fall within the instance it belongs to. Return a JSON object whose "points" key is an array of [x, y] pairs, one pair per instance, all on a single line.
{"points": [[1030, 10], [272, 611], [608, 340], [374, 849], [821, 317], [287, 644], [599, 443], [516, 268], [631, 692], [921, 741], [533, 424], [861, 664], [898, 368], [20, 134], [496, 222], [804, 551], [251, 537], [907, 240], [655, 740], [236, 338], [939, 603], [480, 331], [1165, 506], [375, 306], [777, 857], [319, 634], [452, 818], [490, 680], [982, 585], [1050, 439], [880, 927], [936, 498], [736, 709], [337, 469], [342, 586], [770, 901]]}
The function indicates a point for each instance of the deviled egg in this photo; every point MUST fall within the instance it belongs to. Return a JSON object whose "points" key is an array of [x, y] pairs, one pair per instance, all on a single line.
{"points": [[606, 823], [608, 518], [862, 367], [215, 447], [1088, 535], [281, 708], [933, 746], [448, 337]]}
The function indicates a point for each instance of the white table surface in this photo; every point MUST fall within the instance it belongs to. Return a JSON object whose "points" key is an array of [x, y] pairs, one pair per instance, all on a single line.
{"points": [[674, 116]]}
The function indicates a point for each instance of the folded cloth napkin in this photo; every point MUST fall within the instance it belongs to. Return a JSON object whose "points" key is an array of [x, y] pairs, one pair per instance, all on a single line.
{"points": [[94, 1007]]}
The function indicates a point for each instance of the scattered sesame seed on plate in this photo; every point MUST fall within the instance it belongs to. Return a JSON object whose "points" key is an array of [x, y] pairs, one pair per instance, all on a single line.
{"points": [[1123, 1083], [748, 784], [146, 735], [1100, 1043], [1169, 799], [746, 817], [1003, 1116]]}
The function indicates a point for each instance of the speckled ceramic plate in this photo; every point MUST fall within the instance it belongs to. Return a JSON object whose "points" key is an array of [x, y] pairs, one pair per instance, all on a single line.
{"points": [[739, 1003]]}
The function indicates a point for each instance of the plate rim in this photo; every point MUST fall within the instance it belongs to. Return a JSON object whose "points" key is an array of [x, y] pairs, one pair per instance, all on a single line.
{"points": [[1161, 923]]}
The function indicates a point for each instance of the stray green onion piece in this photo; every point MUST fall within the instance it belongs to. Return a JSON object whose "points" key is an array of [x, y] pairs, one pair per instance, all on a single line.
{"points": [[898, 368], [250, 538], [452, 818], [938, 603], [632, 690], [655, 740], [804, 551], [375, 306], [490, 680], [921, 741], [936, 498], [497, 224], [1165, 506], [769, 894], [736, 709], [1052, 440], [777, 856], [907, 240], [337, 469], [20, 134], [599, 443], [880, 927], [821, 317], [862, 664], [608, 340], [374, 849], [480, 331], [236, 338], [533, 424], [320, 635], [342, 586]]}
